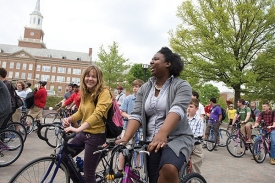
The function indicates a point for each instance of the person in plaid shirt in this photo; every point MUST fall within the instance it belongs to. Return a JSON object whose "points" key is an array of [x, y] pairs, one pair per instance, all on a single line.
{"points": [[269, 128], [196, 124]]}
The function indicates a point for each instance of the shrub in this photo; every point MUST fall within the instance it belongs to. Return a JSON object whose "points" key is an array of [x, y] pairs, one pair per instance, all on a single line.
{"points": [[51, 101]]}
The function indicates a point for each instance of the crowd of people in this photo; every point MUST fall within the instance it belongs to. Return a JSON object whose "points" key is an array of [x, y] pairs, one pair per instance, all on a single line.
{"points": [[164, 112]]}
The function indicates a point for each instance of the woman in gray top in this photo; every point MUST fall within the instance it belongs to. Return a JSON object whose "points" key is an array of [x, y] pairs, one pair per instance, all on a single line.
{"points": [[160, 108]]}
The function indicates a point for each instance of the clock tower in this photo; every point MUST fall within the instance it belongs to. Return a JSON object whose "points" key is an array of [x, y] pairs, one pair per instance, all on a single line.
{"points": [[33, 34]]}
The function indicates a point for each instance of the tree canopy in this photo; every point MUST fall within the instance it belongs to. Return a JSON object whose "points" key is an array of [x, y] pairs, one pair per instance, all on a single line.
{"points": [[206, 92], [137, 72], [229, 41], [113, 65]]}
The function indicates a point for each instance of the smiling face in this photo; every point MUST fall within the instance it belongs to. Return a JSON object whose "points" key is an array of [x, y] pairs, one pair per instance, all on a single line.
{"points": [[19, 86], [90, 80], [159, 66]]}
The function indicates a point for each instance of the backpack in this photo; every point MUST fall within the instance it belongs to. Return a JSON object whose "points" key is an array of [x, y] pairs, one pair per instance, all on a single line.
{"points": [[114, 122], [223, 113], [29, 100]]}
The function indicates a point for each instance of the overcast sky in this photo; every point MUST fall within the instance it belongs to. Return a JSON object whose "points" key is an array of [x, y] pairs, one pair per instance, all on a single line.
{"points": [[139, 26]]}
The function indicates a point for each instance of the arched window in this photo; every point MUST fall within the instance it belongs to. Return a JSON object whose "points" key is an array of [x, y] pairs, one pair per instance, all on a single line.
{"points": [[33, 20], [38, 22]]}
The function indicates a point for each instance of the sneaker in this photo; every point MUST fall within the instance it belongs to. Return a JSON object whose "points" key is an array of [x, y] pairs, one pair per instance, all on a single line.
{"points": [[272, 161], [203, 145]]}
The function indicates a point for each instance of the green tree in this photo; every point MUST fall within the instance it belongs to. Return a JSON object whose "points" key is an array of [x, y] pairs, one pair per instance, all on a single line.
{"points": [[221, 40], [113, 65], [137, 72], [208, 91]]}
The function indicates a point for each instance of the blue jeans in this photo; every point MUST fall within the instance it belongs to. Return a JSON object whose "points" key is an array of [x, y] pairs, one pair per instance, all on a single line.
{"points": [[137, 141], [272, 145]]}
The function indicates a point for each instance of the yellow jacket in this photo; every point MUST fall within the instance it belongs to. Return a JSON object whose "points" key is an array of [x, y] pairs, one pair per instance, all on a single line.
{"points": [[92, 114]]}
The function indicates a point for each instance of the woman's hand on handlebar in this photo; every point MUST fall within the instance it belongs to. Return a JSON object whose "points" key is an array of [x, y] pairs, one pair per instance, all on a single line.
{"points": [[66, 122]]}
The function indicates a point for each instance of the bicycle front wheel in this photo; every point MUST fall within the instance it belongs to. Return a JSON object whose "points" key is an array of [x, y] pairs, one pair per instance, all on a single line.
{"points": [[52, 118], [28, 122], [193, 177], [259, 151], [235, 146], [42, 170], [224, 134], [11, 147], [52, 137], [211, 141], [20, 128]]}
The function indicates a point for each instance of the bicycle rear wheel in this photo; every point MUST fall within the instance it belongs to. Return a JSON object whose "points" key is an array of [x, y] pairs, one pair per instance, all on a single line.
{"points": [[51, 136], [11, 147], [259, 151], [37, 169], [28, 122], [224, 134], [20, 128], [193, 177], [235, 146], [52, 118]]}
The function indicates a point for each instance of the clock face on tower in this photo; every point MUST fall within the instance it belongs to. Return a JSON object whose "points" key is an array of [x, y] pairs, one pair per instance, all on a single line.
{"points": [[32, 33]]}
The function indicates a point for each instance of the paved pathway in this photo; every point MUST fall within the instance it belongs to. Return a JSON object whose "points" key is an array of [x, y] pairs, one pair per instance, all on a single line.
{"points": [[218, 166]]}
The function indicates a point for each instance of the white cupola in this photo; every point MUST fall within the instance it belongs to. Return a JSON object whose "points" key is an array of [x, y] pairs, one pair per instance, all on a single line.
{"points": [[36, 17]]}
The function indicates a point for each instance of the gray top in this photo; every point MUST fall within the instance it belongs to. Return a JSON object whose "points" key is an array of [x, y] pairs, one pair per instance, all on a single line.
{"points": [[67, 95], [179, 95], [5, 104], [256, 112]]}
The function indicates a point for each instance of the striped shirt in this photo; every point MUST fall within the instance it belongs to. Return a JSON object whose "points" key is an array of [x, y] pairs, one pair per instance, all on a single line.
{"points": [[196, 125]]}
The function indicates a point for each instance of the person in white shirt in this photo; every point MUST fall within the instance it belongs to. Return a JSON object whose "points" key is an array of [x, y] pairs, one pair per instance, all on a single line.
{"points": [[28, 89], [121, 96], [197, 126], [200, 110]]}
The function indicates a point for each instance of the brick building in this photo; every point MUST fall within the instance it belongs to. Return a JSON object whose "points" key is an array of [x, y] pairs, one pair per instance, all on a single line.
{"points": [[31, 60]]}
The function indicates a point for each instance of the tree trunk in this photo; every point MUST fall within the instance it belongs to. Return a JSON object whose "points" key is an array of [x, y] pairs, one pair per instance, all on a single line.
{"points": [[237, 89]]}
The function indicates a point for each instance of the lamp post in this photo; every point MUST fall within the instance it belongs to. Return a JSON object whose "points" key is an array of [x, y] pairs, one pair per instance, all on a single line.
{"points": [[145, 67]]}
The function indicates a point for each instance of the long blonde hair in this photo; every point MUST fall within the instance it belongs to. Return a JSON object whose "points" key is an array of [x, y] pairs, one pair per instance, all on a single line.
{"points": [[98, 87]]}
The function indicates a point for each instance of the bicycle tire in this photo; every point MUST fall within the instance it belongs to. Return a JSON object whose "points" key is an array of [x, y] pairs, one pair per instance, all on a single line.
{"points": [[52, 118], [140, 170], [235, 146], [19, 127], [193, 177], [11, 147], [28, 122], [259, 151], [51, 136], [36, 169], [224, 134], [185, 169], [211, 141]]}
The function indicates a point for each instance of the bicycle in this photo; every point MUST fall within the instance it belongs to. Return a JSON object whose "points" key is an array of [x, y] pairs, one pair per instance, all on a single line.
{"points": [[19, 127], [52, 168], [56, 117], [11, 146], [236, 144], [261, 146]]}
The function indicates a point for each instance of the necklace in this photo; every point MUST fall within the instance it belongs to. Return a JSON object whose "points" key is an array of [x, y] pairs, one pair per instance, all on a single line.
{"points": [[157, 88]]}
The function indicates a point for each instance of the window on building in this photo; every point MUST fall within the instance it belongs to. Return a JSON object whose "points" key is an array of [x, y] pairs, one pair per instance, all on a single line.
{"points": [[18, 66], [24, 66], [68, 79], [60, 78], [45, 77], [59, 88], [23, 75], [61, 70], [52, 87], [76, 80], [38, 22], [37, 76], [53, 69], [33, 20], [30, 66], [38, 67], [77, 71], [4, 64], [10, 74], [29, 75], [46, 68], [16, 75], [11, 65], [69, 71], [53, 78]]}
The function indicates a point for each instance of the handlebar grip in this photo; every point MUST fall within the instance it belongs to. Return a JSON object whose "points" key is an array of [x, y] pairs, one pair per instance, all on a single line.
{"points": [[39, 131]]}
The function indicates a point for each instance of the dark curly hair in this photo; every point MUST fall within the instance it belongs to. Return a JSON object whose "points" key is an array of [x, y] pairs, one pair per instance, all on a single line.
{"points": [[177, 64]]}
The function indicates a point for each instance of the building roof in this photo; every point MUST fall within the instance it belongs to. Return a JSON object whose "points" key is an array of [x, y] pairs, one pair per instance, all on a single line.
{"points": [[50, 53]]}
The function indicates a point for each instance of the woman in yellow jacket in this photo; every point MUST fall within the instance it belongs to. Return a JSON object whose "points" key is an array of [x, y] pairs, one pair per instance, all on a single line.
{"points": [[231, 113], [91, 131]]}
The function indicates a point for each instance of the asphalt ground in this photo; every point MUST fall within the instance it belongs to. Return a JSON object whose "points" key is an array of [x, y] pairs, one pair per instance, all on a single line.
{"points": [[218, 166]]}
